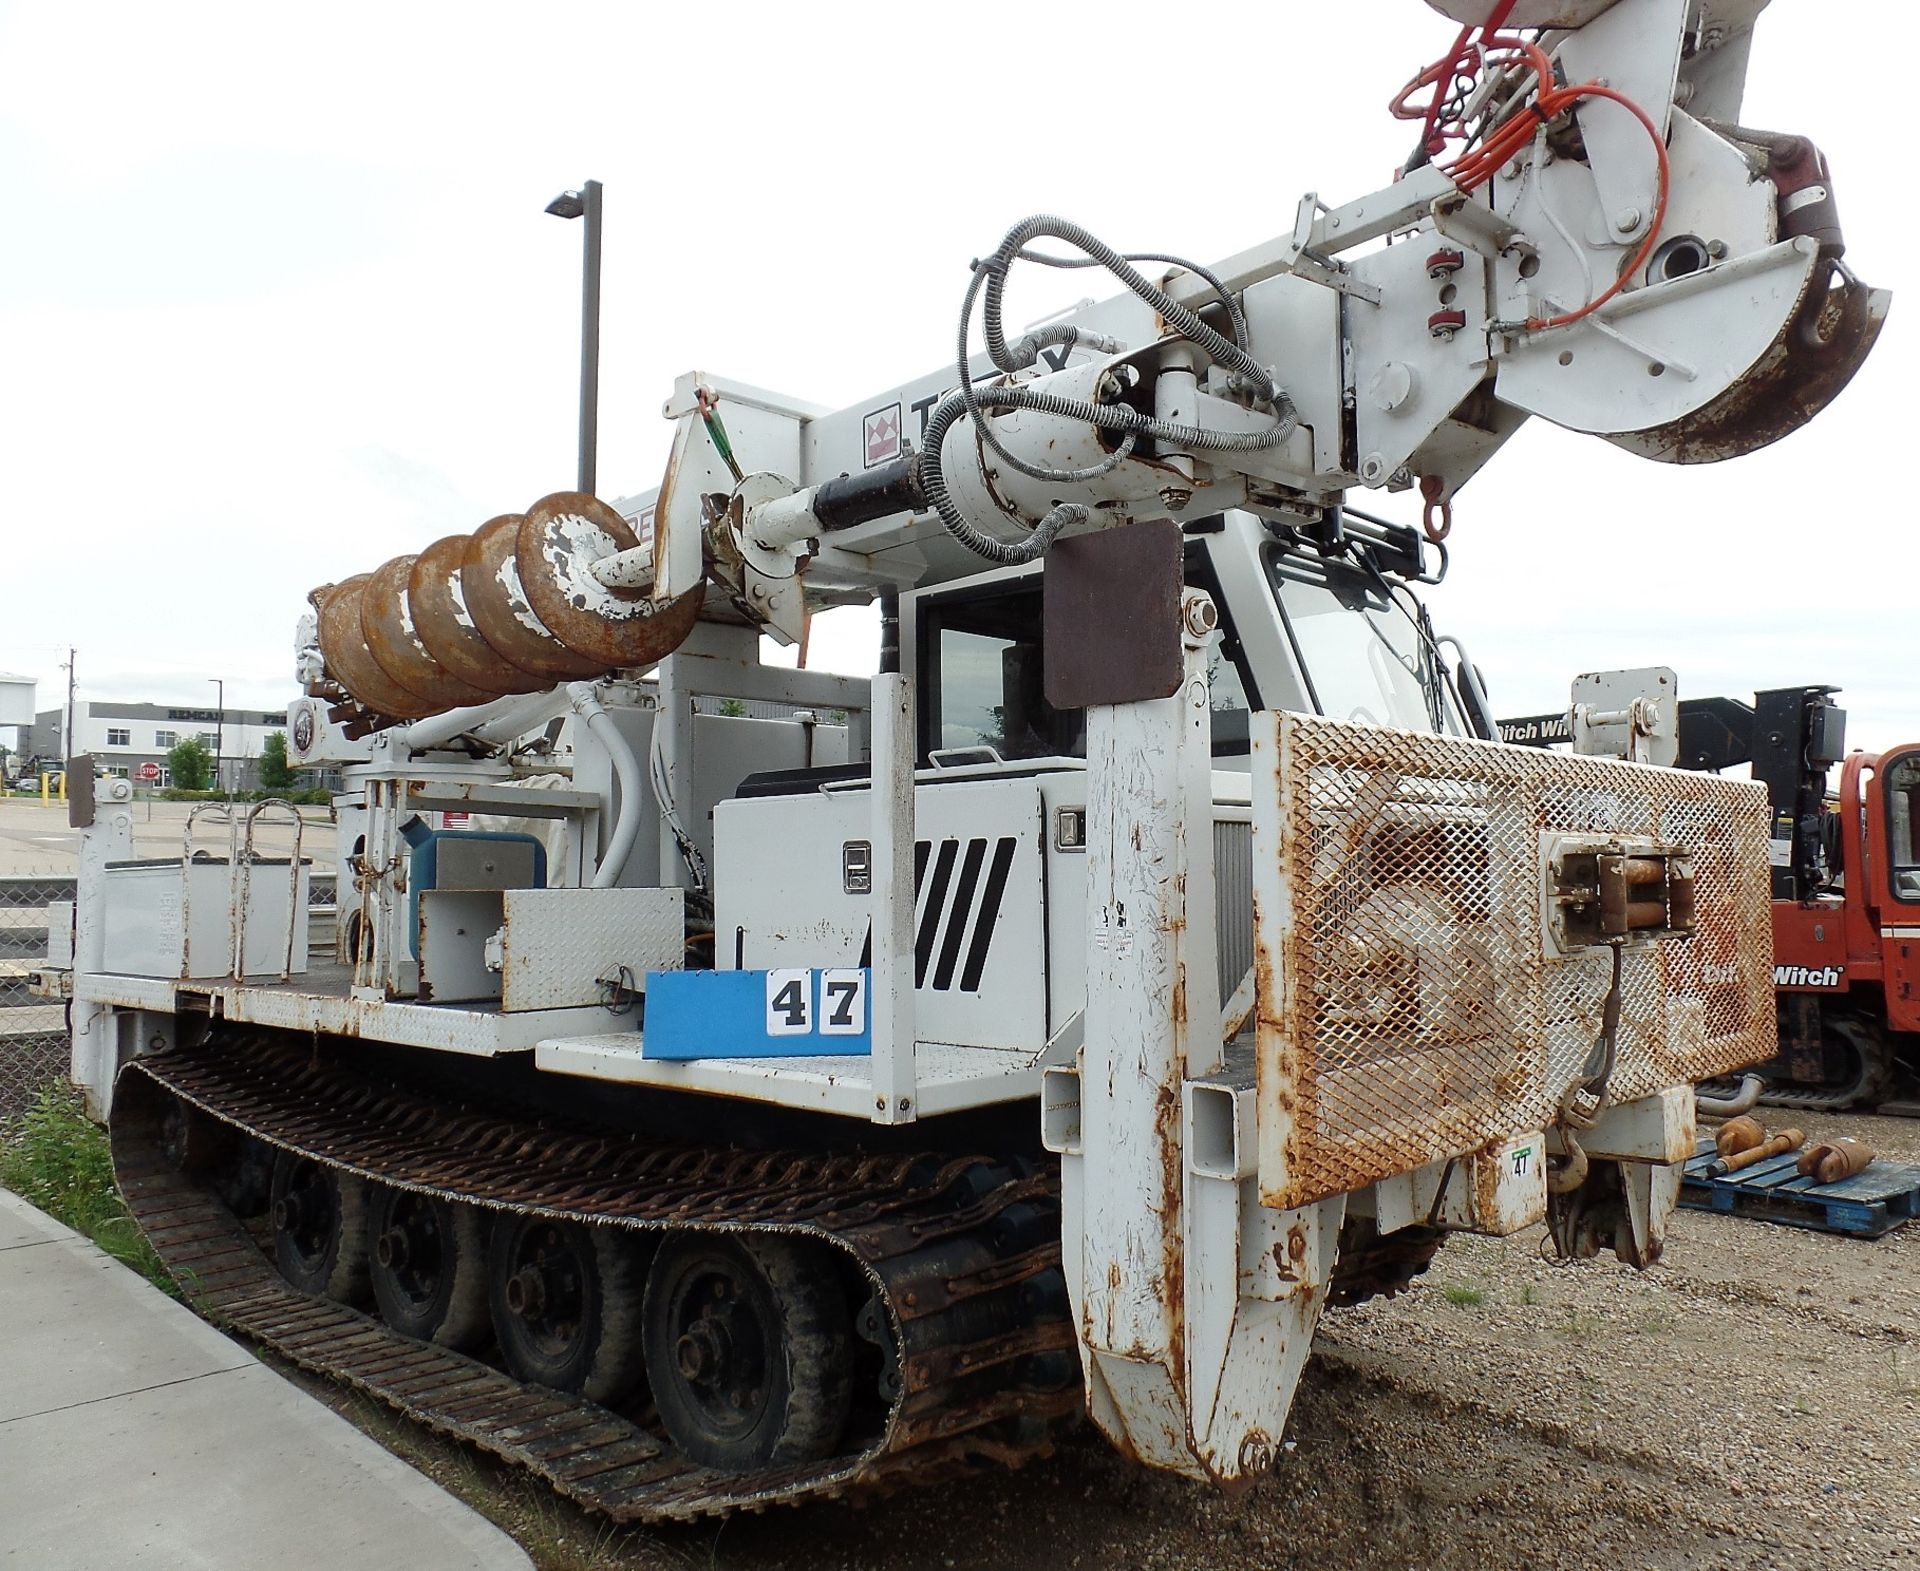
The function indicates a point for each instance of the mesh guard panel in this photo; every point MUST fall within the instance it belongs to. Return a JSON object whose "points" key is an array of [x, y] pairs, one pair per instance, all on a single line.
{"points": [[1409, 1010]]}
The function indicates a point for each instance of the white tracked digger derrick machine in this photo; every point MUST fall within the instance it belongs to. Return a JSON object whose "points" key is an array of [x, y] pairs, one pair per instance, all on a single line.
{"points": [[854, 1081]]}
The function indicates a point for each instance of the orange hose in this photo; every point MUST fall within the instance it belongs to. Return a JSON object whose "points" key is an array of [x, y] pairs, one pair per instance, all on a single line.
{"points": [[1443, 72], [1645, 249], [1477, 166]]}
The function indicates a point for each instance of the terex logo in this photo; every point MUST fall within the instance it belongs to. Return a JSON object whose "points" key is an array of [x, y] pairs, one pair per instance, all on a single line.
{"points": [[1808, 976]]}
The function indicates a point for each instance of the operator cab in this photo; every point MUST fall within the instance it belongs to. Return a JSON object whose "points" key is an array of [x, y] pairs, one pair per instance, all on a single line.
{"points": [[1331, 632]]}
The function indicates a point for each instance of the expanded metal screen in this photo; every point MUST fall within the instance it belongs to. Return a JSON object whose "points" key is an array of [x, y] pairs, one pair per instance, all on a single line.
{"points": [[34, 1047], [1410, 1009], [33, 1033]]}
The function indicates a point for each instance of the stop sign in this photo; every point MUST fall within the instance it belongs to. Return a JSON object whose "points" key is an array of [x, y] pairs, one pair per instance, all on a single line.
{"points": [[148, 771]]}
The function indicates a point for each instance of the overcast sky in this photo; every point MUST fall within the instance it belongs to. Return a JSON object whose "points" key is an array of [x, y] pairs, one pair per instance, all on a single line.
{"points": [[278, 299]]}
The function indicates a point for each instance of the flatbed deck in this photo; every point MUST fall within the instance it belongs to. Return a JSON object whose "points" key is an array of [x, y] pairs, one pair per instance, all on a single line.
{"points": [[589, 1042]]}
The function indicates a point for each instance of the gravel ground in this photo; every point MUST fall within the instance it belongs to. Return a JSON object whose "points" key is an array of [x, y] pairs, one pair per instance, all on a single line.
{"points": [[1753, 1401]]}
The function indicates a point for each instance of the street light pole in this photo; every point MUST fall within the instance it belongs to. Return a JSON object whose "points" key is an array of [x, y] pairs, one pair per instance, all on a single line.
{"points": [[219, 727], [585, 203]]}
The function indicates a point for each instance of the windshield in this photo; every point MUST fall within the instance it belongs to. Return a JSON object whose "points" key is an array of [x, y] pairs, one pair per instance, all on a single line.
{"points": [[1364, 655]]}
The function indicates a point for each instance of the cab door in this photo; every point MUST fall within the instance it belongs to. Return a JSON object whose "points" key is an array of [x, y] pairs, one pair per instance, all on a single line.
{"points": [[1895, 802]]}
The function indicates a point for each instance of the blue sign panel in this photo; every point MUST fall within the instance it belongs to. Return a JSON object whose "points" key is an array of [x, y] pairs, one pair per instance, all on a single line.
{"points": [[790, 1013]]}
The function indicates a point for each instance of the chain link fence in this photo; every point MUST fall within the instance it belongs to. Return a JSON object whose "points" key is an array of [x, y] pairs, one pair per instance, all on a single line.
{"points": [[33, 1032]]}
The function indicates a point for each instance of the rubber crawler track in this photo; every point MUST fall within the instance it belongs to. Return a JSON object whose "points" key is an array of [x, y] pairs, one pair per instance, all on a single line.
{"points": [[951, 1246], [1863, 1093], [937, 1265]]}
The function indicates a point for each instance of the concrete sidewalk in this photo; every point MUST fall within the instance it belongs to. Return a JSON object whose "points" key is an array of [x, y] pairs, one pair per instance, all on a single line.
{"points": [[133, 1434]]}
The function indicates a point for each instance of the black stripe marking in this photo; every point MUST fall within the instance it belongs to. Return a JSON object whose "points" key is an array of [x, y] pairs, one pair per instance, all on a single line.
{"points": [[962, 909], [930, 912], [989, 917]]}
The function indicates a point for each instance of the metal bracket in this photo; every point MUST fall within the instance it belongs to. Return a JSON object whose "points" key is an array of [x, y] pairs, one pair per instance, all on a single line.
{"points": [[1473, 224], [1304, 262]]}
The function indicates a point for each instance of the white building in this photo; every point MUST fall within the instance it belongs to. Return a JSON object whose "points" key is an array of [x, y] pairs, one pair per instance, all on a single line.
{"points": [[16, 721], [16, 700], [122, 737]]}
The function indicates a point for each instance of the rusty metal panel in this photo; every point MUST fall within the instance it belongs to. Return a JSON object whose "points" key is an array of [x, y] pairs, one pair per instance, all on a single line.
{"points": [[1410, 1006], [1112, 616], [563, 946]]}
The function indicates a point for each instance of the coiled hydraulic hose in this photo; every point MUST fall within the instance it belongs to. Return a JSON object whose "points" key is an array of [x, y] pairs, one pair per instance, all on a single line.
{"points": [[1250, 374], [1110, 416], [1046, 472], [934, 484], [1235, 316], [990, 275]]}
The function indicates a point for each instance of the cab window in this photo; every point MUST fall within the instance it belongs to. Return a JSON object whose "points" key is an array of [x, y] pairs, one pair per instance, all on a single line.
{"points": [[1903, 827], [983, 675]]}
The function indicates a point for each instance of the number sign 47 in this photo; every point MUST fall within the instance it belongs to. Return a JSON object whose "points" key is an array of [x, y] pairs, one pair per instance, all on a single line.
{"points": [[816, 1003]]}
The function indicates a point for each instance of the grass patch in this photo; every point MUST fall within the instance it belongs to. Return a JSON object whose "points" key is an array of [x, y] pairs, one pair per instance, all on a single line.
{"points": [[53, 1156], [1583, 1325], [1462, 1296]]}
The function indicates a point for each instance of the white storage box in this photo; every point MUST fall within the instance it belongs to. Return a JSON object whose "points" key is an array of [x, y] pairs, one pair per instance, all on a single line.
{"points": [[177, 918]]}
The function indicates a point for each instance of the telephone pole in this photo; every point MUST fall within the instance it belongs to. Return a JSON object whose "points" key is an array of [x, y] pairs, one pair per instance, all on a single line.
{"points": [[67, 750]]}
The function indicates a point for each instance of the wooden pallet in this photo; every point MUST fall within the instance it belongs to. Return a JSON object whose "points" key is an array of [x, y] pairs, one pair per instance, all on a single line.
{"points": [[1868, 1205]]}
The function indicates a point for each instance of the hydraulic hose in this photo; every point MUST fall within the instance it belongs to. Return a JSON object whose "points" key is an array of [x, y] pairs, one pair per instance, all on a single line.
{"points": [[991, 274], [1110, 416], [1212, 279], [933, 482], [503, 719], [1746, 1097], [1061, 336], [1045, 472], [1182, 319], [626, 768]]}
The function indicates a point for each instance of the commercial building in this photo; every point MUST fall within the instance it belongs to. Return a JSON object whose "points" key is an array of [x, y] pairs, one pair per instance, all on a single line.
{"points": [[16, 720], [122, 737]]}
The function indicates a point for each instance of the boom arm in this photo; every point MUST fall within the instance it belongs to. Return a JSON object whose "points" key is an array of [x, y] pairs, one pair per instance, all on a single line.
{"points": [[1584, 232], [1616, 255]]}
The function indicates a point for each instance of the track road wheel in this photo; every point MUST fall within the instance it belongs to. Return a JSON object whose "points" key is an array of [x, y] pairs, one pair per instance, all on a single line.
{"points": [[193, 1142], [1868, 1057], [320, 1228], [429, 1267], [749, 1349], [566, 1305]]}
